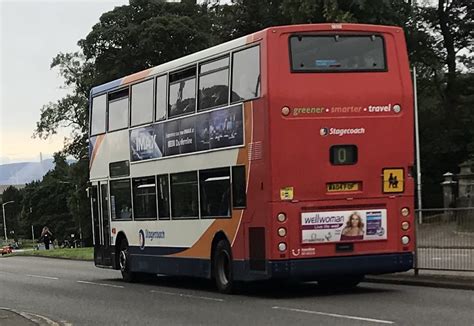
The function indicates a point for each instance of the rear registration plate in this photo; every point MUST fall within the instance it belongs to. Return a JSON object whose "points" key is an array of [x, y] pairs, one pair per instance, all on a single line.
{"points": [[343, 186]]}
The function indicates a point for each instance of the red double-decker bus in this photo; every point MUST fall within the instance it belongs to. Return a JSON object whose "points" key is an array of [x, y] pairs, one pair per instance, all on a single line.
{"points": [[284, 154]]}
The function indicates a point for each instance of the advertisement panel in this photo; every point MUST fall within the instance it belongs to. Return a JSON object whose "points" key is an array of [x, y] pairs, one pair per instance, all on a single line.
{"points": [[146, 142], [336, 226], [208, 130]]}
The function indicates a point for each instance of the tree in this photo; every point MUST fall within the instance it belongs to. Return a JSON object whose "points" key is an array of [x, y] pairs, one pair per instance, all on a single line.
{"points": [[46, 203], [12, 211]]}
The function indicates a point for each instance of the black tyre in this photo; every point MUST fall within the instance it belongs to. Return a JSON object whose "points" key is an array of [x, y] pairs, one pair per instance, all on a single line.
{"points": [[222, 267], [124, 263]]}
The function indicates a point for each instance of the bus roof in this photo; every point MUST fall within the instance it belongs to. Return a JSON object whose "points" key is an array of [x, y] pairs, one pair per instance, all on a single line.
{"points": [[227, 46]]}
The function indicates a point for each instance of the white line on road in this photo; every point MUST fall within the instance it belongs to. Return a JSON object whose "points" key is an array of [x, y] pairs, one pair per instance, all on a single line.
{"points": [[41, 276], [380, 321], [188, 295], [101, 284]]}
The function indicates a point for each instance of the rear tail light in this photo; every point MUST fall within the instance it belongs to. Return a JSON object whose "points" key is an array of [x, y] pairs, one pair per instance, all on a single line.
{"points": [[405, 226], [281, 232], [282, 246], [405, 211], [405, 240], [281, 217]]}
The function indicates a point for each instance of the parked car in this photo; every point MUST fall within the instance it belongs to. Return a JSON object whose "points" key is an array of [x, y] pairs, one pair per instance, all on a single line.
{"points": [[7, 250]]}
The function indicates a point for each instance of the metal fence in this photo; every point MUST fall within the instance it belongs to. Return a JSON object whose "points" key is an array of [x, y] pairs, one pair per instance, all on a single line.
{"points": [[445, 239]]}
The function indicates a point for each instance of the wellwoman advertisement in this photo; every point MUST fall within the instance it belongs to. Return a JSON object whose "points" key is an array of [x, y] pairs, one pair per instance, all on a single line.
{"points": [[336, 226]]}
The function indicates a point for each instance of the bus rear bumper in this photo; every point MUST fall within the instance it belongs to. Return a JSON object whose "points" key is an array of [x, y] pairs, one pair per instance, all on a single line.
{"points": [[317, 268]]}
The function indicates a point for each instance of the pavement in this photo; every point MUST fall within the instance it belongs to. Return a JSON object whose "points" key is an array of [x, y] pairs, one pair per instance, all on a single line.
{"points": [[11, 317], [430, 278]]}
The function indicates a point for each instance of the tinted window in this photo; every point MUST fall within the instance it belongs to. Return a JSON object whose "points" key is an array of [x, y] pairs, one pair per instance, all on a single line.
{"points": [[98, 114], [337, 52], [184, 195], [120, 200], [142, 103], [239, 197], [214, 84], [182, 95], [215, 192], [163, 197], [161, 102], [119, 169], [118, 110], [214, 89], [144, 198], [246, 74]]}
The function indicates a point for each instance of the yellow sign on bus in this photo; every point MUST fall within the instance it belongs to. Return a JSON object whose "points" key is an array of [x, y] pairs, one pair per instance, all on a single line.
{"points": [[393, 180], [286, 193]]}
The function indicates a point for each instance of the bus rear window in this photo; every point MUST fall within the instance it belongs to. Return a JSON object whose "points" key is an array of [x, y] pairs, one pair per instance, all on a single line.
{"points": [[330, 53]]}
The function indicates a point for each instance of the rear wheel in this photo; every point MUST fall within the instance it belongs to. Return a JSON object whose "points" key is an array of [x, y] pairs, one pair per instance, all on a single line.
{"points": [[124, 263], [222, 265]]}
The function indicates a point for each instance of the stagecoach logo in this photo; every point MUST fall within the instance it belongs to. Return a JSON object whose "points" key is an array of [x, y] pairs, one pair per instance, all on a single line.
{"points": [[150, 235], [341, 131], [141, 239]]}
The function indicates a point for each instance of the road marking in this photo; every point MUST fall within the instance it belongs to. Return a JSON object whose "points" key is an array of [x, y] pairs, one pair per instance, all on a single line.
{"points": [[101, 284], [45, 277], [380, 321], [188, 295]]}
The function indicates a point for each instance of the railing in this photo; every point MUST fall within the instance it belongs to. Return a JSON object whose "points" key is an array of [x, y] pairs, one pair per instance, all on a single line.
{"points": [[445, 239]]}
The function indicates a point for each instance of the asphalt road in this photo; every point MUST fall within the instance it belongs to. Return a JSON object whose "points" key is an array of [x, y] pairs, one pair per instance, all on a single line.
{"points": [[77, 293]]}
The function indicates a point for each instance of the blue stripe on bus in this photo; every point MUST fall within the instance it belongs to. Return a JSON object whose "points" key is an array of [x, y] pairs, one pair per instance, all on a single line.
{"points": [[155, 251], [106, 87]]}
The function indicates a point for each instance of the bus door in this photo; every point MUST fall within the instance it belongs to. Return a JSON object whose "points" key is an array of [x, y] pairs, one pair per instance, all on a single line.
{"points": [[95, 215], [105, 222]]}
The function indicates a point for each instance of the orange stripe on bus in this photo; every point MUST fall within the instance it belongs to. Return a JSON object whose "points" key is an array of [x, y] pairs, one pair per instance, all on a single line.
{"points": [[137, 76], [202, 247], [100, 138]]}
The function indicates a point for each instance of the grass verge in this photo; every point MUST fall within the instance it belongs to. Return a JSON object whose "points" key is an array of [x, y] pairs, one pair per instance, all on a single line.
{"points": [[66, 253]]}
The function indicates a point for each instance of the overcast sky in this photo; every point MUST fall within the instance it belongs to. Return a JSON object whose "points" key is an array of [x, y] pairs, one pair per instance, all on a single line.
{"points": [[31, 34]]}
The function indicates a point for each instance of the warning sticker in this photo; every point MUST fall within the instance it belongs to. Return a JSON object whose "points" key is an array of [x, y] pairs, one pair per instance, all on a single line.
{"points": [[286, 193], [393, 181]]}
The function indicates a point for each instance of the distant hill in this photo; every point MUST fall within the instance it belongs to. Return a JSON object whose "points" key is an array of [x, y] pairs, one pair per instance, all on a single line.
{"points": [[21, 173]]}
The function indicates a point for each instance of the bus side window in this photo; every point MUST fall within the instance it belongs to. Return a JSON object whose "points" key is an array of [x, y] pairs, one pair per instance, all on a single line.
{"points": [[163, 197], [144, 198], [184, 195], [118, 110], [182, 95], [142, 103], [246, 74], [239, 197], [120, 200], [215, 192], [99, 107], [214, 84], [161, 102]]}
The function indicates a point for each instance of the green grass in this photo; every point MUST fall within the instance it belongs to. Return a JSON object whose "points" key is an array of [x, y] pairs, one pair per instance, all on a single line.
{"points": [[67, 253]]}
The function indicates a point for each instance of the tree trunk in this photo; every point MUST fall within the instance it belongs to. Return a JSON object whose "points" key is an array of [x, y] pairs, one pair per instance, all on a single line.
{"points": [[448, 42]]}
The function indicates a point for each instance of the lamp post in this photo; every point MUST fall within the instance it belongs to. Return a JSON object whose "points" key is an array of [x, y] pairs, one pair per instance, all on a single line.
{"points": [[4, 219]]}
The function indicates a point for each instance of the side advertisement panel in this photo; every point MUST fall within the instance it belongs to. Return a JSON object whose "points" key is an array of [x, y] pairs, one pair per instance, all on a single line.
{"points": [[336, 226], [208, 130]]}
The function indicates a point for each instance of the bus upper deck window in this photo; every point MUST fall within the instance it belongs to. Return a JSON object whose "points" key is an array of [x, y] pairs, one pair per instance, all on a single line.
{"points": [[118, 109], [182, 92], [332, 53]]}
